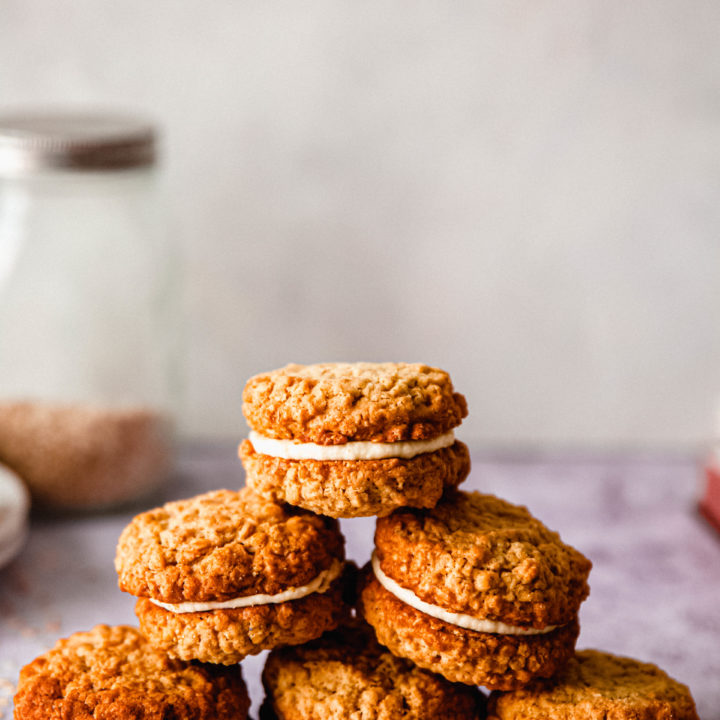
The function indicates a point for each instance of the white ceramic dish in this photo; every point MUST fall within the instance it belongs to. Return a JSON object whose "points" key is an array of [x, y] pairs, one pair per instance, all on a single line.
{"points": [[14, 508]]}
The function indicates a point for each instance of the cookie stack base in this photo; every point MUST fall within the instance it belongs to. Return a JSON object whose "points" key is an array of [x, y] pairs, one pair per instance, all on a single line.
{"points": [[347, 673], [597, 684], [113, 673]]}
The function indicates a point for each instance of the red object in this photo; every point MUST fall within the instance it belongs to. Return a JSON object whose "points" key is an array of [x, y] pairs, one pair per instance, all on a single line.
{"points": [[710, 503]]}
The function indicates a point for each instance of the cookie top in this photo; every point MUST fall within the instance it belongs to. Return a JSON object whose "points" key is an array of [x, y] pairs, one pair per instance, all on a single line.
{"points": [[224, 545], [334, 403], [347, 673], [597, 685], [479, 555], [111, 672]]}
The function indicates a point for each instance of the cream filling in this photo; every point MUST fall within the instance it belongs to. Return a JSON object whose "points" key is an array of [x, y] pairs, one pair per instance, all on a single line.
{"points": [[468, 622], [320, 584], [361, 450]]}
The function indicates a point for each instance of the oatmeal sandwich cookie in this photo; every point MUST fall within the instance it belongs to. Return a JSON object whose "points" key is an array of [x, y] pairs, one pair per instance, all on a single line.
{"points": [[112, 673], [476, 589], [596, 685], [228, 574], [354, 439], [347, 674]]}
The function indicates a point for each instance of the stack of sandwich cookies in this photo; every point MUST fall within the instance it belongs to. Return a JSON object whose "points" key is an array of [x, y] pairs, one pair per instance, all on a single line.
{"points": [[227, 574], [112, 673], [463, 589], [354, 439], [347, 674], [476, 589], [598, 685]]}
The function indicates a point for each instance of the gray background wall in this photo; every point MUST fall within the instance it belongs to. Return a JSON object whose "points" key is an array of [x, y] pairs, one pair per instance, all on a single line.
{"points": [[524, 193]]}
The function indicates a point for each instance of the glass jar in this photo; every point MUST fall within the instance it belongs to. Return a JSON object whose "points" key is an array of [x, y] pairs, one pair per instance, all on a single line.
{"points": [[86, 309]]}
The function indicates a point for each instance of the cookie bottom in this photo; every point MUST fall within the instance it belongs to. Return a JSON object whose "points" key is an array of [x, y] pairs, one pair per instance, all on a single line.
{"points": [[357, 488], [227, 636], [499, 662], [347, 673]]}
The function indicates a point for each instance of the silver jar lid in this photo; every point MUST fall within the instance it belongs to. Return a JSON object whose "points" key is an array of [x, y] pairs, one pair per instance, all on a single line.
{"points": [[74, 141]]}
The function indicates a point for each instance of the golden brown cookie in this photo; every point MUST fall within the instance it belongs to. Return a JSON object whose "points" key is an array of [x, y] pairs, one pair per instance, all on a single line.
{"points": [[227, 574], [354, 439], [347, 674], [334, 403], [495, 660], [227, 636], [476, 589], [597, 685], [112, 673]]}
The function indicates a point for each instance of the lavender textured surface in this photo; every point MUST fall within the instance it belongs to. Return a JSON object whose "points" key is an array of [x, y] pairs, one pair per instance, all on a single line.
{"points": [[655, 581]]}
